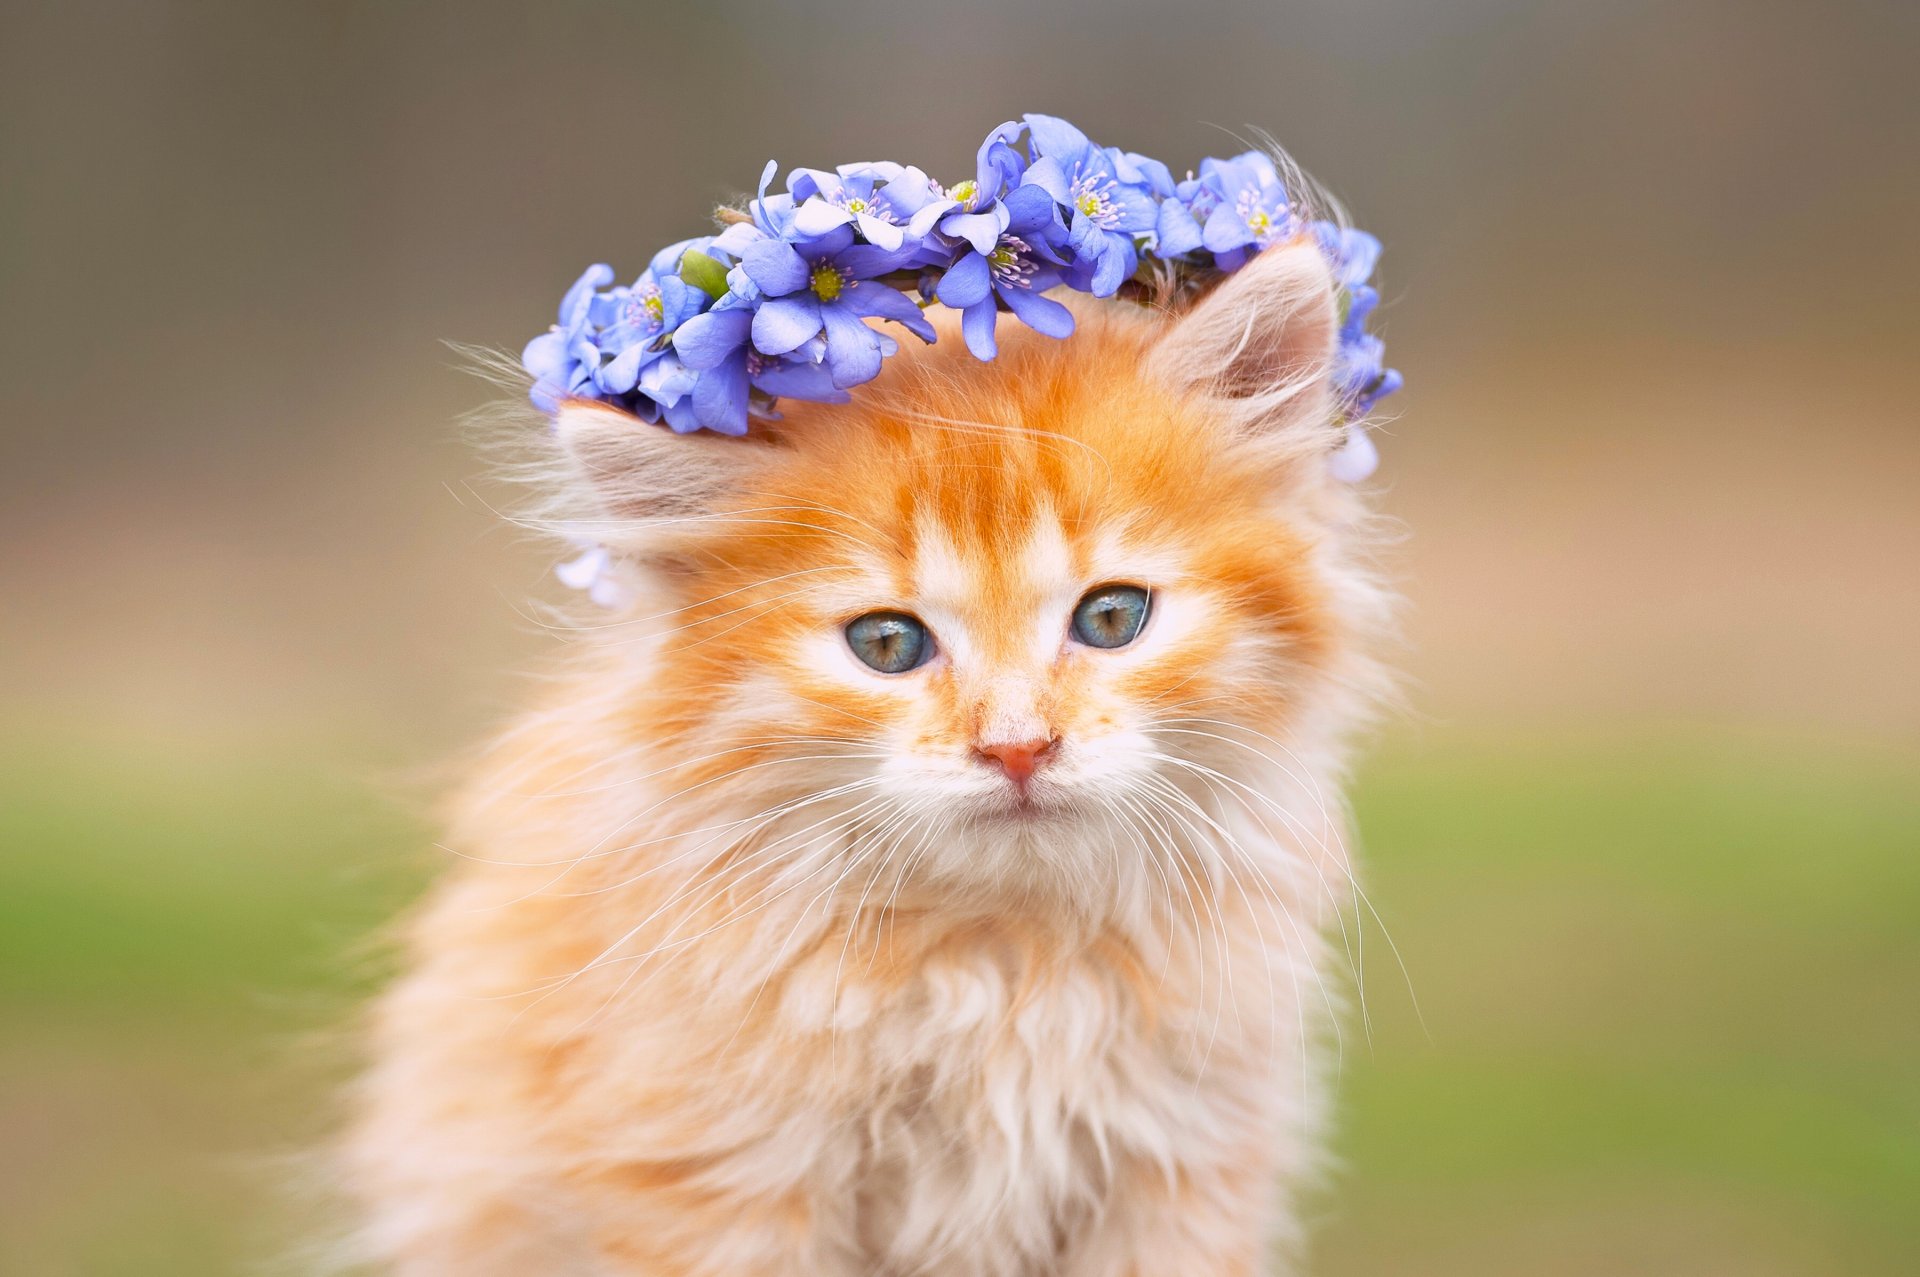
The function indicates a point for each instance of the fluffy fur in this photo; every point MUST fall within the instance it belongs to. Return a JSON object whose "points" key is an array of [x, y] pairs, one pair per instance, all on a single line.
{"points": [[752, 966]]}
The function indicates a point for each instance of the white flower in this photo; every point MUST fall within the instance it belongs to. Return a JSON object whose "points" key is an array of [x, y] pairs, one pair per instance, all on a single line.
{"points": [[1356, 458], [594, 572]]}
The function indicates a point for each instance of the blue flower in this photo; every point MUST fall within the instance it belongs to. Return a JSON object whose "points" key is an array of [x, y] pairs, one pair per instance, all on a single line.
{"points": [[1248, 210], [889, 204], [635, 321], [723, 370], [1360, 375], [780, 304], [1351, 253], [800, 329], [979, 214], [1108, 196], [824, 286], [665, 392], [1017, 267], [1181, 216], [564, 359]]}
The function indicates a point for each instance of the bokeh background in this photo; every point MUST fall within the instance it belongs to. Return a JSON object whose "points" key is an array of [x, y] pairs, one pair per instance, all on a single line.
{"points": [[1647, 840]]}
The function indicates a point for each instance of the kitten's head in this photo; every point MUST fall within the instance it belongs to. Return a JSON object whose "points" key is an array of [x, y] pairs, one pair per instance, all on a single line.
{"points": [[989, 615]]}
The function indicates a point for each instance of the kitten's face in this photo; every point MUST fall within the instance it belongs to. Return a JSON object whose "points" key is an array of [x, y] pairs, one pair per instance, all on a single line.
{"points": [[995, 609]]}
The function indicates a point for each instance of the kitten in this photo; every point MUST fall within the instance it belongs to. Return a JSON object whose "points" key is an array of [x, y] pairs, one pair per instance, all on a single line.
{"points": [[930, 873]]}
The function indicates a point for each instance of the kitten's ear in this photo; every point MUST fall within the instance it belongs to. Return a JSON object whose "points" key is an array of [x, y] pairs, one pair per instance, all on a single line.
{"points": [[1259, 349], [639, 482]]}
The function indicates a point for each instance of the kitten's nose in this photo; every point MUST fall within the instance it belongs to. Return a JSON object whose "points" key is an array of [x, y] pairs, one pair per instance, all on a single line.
{"points": [[1018, 759]]}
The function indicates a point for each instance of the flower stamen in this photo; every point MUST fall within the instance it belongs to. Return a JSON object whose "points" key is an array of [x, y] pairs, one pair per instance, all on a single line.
{"points": [[1093, 196], [646, 308], [865, 205], [1010, 264], [1260, 219], [827, 281]]}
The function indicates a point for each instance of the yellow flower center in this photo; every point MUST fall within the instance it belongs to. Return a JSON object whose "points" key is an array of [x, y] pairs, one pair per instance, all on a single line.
{"points": [[856, 205], [964, 192], [1260, 223], [827, 282]]}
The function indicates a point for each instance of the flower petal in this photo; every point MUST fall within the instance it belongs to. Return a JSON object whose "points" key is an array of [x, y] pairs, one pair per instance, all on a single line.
{"points": [[982, 230], [1115, 265], [1390, 381], [805, 183], [582, 572], [1225, 229], [880, 233], [1359, 252], [680, 416], [705, 340], [734, 240], [609, 592], [1361, 300], [801, 381], [619, 376], [783, 323], [1356, 459], [1042, 314], [1047, 174], [1083, 233], [667, 381], [877, 301], [1053, 136], [927, 215], [574, 305], [1030, 208], [720, 397], [997, 163], [774, 266], [817, 217], [853, 349], [831, 244], [762, 215], [1136, 208], [976, 325], [546, 356], [967, 281], [865, 261], [1175, 231], [1144, 170]]}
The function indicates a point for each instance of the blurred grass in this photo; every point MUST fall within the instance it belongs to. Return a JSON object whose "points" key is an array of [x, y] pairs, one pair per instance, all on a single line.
{"points": [[1667, 985]]}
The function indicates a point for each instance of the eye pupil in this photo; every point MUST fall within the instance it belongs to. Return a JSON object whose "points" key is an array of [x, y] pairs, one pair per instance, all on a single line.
{"points": [[891, 642], [1111, 616]]}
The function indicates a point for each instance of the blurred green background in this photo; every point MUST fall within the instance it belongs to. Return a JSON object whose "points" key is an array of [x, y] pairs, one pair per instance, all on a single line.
{"points": [[1648, 840]]}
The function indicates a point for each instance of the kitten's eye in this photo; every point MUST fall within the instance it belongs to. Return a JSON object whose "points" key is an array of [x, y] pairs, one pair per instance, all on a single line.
{"points": [[1110, 616], [891, 642]]}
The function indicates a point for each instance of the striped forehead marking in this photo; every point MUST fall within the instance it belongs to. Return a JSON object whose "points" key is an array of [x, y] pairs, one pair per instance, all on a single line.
{"points": [[995, 598]]}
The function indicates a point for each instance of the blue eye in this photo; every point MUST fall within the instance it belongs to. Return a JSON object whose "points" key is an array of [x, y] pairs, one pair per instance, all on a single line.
{"points": [[891, 642], [1110, 616]]}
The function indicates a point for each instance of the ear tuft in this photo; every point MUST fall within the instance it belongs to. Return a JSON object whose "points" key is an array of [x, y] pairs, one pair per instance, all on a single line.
{"points": [[635, 476], [1260, 346]]}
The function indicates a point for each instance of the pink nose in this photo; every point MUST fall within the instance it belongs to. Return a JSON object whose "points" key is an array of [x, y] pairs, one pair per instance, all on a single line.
{"points": [[1019, 760]]}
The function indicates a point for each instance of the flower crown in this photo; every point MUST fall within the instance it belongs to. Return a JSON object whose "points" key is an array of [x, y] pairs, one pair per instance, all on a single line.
{"points": [[718, 328]]}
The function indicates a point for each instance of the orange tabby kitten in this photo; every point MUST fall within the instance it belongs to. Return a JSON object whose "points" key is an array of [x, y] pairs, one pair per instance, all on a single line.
{"points": [[929, 873]]}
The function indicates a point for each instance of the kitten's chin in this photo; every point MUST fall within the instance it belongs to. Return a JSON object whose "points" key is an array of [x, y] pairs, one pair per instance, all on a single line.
{"points": [[1039, 803]]}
